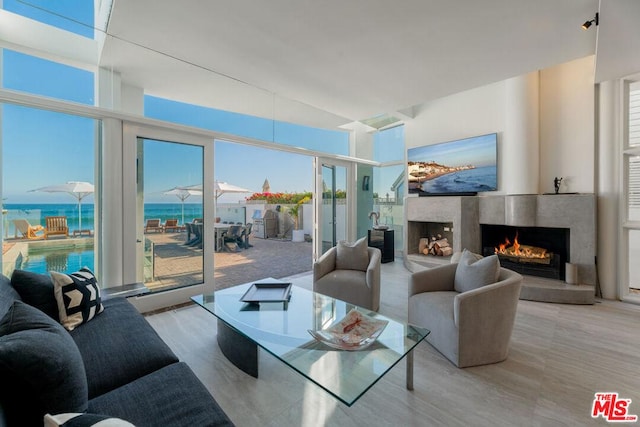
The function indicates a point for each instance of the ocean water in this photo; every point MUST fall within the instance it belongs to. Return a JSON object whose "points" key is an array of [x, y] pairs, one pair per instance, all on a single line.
{"points": [[36, 213], [470, 180]]}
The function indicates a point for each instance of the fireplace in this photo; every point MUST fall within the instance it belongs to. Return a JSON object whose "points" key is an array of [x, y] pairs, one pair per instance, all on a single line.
{"points": [[534, 251], [432, 236]]}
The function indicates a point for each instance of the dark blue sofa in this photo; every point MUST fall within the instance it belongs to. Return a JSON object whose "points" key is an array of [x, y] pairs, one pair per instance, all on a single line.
{"points": [[114, 365]]}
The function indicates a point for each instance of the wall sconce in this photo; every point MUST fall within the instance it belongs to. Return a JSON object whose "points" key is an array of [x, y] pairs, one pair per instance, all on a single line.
{"points": [[587, 24]]}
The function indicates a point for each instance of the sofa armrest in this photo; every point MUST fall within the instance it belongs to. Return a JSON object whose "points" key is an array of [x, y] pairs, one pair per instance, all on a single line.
{"points": [[488, 307], [373, 276], [433, 279], [325, 264]]}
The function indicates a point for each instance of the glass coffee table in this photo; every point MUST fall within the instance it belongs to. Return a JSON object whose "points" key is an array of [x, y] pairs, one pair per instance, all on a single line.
{"points": [[282, 329]]}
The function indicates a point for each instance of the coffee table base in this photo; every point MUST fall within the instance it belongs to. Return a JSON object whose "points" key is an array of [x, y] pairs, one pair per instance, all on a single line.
{"points": [[240, 350], [243, 353]]}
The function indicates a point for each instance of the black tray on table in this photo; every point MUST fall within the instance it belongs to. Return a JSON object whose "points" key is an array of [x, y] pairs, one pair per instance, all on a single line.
{"points": [[267, 292]]}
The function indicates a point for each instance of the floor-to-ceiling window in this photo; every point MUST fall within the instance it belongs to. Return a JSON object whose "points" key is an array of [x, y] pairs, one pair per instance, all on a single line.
{"points": [[49, 219], [389, 180]]}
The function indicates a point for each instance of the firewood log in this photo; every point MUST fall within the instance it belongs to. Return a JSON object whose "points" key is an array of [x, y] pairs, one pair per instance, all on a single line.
{"points": [[424, 242]]}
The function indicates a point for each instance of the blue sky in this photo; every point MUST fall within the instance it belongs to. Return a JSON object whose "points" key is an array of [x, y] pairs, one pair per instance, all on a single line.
{"points": [[62, 146], [478, 151]]}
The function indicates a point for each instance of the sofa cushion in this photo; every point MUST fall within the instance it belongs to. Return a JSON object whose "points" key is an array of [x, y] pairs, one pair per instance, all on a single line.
{"points": [[83, 420], [472, 273], [77, 296], [119, 346], [171, 397], [7, 295], [352, 256], [36, 290], [40, 367]]}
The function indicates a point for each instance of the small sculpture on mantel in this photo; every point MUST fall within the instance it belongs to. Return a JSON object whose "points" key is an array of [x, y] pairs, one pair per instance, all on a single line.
{"points": [[556, 183]]}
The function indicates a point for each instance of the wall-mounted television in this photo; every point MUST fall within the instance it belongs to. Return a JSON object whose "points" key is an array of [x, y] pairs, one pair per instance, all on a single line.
{"points": [[460, 167]]}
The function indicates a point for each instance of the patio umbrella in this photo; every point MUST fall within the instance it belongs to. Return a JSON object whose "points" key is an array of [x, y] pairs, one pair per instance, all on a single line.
{"points": [[220, 188], [77, 189], [183, 194]]}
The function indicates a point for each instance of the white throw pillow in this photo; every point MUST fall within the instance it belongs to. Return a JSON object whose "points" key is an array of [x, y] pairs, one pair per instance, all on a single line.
{"points": [[473, 273]]}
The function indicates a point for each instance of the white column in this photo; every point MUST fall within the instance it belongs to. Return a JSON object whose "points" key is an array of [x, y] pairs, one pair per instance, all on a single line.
{"points": [[608, 187], [110, 233], [519, 153]]}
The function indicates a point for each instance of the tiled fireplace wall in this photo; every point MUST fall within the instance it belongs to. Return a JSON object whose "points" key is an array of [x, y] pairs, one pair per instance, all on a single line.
{"points": [[575, 212]]}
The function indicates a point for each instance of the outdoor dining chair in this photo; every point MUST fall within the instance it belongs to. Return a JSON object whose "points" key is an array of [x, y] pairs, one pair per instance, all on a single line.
{"points": [[232, 238]]}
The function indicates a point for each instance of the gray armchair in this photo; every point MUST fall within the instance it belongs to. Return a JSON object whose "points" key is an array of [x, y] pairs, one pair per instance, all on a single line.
{"points": [[359, 286], [469, 328]]}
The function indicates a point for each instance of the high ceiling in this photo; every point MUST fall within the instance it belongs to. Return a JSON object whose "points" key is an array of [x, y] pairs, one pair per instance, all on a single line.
{"points": [[328, 63]]}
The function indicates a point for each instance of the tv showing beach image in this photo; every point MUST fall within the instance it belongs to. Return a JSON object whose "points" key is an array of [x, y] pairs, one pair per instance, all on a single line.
{"points": [[463, 166]]}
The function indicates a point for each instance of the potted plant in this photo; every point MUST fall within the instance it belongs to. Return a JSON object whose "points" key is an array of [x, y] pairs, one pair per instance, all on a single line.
{"points": [[297, 235]]}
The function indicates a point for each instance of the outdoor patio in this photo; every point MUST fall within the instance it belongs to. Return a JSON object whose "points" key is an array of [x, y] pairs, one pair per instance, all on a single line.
{"points": [[179, 265]]}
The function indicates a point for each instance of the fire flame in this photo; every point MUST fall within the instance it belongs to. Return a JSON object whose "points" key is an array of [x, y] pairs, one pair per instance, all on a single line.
{"points": [[518, 250]]}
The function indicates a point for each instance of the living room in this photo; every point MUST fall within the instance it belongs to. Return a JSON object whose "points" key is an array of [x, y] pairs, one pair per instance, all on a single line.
{"points": [[552, 121]]}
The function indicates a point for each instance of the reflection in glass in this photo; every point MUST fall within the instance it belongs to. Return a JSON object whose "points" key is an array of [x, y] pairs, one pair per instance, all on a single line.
{"points": [[171, 256]]}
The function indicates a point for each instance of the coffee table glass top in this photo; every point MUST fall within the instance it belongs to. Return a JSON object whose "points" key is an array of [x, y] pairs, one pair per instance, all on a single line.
{"points": [[282, 330]]}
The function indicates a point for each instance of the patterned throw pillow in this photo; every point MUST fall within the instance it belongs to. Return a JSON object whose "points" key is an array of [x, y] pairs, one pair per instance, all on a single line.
{"points": [[78, 297]]}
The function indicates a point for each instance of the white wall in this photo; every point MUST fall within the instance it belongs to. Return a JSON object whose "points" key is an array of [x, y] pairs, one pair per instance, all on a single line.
{"points": [[566, 124], [474, 112], [567, 114]]}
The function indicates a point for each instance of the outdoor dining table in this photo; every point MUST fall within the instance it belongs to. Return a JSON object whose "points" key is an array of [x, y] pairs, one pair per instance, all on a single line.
{"points": [[220, 228]]}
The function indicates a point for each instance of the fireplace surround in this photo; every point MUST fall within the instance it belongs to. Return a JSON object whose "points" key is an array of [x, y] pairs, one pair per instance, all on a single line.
{"points": [[574, 213]]}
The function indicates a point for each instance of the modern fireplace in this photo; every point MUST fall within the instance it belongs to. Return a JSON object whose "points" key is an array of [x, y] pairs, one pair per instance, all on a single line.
{"points": [[563, 225], [534, 251]]}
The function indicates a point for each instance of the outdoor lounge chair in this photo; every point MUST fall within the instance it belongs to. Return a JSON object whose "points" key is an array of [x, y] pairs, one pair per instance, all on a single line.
{"points": [[27, 230], [56, 226], [153, 225], [171, 225]]}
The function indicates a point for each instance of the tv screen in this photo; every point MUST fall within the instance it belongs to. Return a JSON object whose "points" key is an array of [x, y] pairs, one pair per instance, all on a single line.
{"points": [[464, 166]]}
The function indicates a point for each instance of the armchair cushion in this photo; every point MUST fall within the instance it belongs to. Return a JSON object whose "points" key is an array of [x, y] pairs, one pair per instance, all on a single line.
{"points": [[472, 273], [352, 256]]}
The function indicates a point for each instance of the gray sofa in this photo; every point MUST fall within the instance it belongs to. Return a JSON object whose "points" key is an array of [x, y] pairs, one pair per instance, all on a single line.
{"points": [[114, 365]]}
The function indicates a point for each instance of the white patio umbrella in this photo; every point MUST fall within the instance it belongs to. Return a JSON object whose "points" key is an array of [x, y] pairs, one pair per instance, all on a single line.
{"points": [[183, 194], [220, 188], [77, 189]]}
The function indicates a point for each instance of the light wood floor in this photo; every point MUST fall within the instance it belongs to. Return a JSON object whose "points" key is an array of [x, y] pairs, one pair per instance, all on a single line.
{"points": [[560, 356]]}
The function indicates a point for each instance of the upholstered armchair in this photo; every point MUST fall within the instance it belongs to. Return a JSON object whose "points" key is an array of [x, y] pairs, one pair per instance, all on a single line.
{"points": [[350, 272], [469, 312]]}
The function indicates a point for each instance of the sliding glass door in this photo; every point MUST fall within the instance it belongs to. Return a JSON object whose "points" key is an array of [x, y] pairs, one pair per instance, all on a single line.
{"points": [[333, 205]]}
